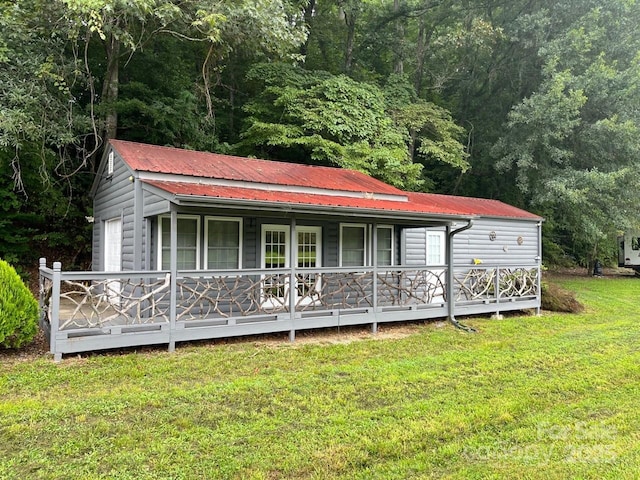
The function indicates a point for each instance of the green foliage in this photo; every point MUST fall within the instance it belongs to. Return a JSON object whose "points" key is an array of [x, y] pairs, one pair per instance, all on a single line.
{"points": [[332, 120], [335, 120], [18, 309], [532, 103], [574, 145], [430, 128]]}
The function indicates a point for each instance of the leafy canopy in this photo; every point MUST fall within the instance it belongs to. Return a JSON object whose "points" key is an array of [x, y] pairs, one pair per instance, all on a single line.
{"points": [[335, 120]]}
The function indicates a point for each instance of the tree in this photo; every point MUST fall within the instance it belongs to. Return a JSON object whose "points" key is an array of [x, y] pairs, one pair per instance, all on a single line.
{"points": [[41, 129], [328, 119], [334, 120], [574, 144], [433, 136]]}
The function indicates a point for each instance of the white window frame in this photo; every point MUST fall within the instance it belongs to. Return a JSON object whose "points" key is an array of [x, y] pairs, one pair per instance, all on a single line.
{"points": [[198, 220], [309, 299], [110, 163], [393, 244], [318, 232], [206, 238], [287, 249], [266, 301], [441, 253], [365, 228]]}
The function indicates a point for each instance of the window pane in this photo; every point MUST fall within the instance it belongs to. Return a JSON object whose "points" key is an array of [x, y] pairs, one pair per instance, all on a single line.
{"points": [[307, 244], [353, 246], [223, 244], [187, 247], [434, 249], [275, 249], [385, 252]]}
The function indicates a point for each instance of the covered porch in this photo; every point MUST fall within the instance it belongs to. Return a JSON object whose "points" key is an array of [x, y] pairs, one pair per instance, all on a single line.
{"points": [[84, 311]]}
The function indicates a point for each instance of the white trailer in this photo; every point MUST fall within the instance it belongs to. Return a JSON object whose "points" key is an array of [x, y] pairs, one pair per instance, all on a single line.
{"points": [[629, 251]]}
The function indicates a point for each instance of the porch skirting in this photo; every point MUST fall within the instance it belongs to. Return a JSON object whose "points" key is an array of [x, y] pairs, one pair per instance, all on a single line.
{"points": [[87, 311]]}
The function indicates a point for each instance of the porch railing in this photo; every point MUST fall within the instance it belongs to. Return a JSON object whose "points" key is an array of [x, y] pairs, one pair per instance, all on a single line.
{"points": [[83, 311]]}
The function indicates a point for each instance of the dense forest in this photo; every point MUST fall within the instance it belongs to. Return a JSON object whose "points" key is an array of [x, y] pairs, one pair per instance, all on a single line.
{"points": [[533, 102]]}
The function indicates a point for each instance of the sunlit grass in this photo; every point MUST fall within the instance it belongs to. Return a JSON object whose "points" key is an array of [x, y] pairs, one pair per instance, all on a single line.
{"points": [[553, 396]]}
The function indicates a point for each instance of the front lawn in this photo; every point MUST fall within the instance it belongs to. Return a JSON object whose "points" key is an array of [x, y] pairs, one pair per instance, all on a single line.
{"points": [[554, 396]]}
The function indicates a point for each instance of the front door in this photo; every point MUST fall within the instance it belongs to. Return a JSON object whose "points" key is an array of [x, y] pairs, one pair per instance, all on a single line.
{"points": [[276, 254], [113, 256]]}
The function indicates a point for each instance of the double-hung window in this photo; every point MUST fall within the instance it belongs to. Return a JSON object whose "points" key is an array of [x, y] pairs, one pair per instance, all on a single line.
{"points": [[385, 245], [354, 245], [223, 243], [188, 246], [435, 248]]}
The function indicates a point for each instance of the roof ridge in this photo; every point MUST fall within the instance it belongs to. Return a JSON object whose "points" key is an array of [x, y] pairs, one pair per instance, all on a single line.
{"points": [[252, 159]]}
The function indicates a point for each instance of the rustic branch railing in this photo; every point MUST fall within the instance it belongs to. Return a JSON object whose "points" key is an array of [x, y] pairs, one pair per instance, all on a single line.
{"points": [[486, 283], [74, 304]]}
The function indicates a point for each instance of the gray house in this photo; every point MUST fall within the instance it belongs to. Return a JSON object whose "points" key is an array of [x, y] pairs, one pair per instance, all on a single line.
{"points": [[192, 245]]}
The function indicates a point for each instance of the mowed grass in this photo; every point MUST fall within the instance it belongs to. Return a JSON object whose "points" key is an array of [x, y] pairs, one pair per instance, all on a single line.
{"points": [[554, 396]]}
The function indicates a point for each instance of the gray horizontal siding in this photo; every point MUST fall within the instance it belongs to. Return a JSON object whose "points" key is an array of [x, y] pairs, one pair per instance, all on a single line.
{"points": [[127, 239], [415, 251], [476, 243], [154, 204], [114, 197], [249, 242]]}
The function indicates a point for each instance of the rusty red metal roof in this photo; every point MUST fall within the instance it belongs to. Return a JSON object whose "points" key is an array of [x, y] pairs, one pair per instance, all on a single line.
{"points": [[419, 203], [471, 206], [272, 179], [153, 158]]}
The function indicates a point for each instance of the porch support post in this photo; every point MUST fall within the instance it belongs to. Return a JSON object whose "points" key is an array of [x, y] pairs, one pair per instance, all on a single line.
{"points": [[293, 250], [173, 266], [54, 321], [496, 289], [374, 262], [137, 224]]}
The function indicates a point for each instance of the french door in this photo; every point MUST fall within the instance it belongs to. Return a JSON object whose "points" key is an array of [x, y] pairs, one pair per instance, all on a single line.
{"points": [[113, 256], [276, 255]]}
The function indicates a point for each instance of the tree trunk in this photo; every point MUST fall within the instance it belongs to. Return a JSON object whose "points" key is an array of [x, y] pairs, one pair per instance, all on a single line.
{"points": [[308, 18], [398, 66], [421, 51], [350, 21], [110, 88]]}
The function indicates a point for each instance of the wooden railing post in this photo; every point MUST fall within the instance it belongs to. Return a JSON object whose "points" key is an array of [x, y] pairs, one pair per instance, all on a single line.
{"points": [[41, 292], [173, 266], [374, 258], [54, 320], [293, 287]]}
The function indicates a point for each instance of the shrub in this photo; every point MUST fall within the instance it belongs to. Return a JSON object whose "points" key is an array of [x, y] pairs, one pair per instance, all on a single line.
{"points": [[18, 309]]}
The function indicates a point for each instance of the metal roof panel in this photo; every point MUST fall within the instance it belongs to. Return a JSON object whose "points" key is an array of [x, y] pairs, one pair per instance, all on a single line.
{"points": [[419, 203], [169, 160]]}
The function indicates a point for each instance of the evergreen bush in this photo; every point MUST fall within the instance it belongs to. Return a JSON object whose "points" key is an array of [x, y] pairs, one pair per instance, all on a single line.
{"points": [[18, 309]]}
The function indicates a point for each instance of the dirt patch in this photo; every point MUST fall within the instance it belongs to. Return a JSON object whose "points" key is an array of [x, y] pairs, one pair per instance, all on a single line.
{"points": [[346, 335], [583, 272], [32, 351]]}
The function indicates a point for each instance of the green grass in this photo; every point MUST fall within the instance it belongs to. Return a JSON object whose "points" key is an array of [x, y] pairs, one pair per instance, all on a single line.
{"points": [[554, 396]]}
